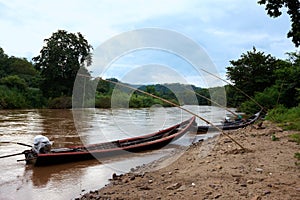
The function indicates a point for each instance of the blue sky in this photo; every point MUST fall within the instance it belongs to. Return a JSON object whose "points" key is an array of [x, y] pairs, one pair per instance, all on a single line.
{"points": [[223, 28]]}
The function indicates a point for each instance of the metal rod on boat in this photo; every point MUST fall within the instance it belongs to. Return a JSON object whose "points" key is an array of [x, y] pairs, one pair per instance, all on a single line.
{"points": [[22, 160], [15, 154], [26, 159], [19, 143], [174, 104]]}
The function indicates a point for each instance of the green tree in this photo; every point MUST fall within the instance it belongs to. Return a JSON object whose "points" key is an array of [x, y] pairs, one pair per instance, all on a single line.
{"points": [[17, 66], [14, 81], [233, 96], [274, 7], [284, 91], [151, 89], [106, 87], [268, 98], [59, 61], [287, 80], [253, 72], [11, 98], [3, 63], [24, 69], [202, 92], [19, 83]]}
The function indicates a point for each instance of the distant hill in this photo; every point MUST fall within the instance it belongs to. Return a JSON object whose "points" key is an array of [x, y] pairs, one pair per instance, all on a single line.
{"points": [[182, 94]]}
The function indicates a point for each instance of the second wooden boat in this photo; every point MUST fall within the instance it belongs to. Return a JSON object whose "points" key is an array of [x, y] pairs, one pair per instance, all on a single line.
{"points": [[230, 125]]}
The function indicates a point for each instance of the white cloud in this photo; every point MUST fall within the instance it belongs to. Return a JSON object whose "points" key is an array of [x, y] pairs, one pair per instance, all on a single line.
{"points": [[224, 28], [33, 20]]}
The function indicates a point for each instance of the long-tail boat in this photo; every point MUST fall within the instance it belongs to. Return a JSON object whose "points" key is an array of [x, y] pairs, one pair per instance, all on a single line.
{"points": [[93, 151]]}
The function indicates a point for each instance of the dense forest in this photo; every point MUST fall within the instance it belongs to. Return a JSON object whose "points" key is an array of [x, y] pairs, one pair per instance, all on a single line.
{"points": [[254, 80]]}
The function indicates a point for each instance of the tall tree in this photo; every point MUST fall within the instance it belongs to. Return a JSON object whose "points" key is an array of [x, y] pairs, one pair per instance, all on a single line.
{"points": [[253, 72], [274, 7], [59, 61]]}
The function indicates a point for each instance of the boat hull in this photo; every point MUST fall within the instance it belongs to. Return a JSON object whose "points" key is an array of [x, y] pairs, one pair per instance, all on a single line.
{"points": [[108, 149], [230, 126]]}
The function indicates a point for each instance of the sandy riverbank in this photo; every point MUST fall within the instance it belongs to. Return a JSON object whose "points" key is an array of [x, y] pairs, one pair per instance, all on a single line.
{"points": [[218, 169]]}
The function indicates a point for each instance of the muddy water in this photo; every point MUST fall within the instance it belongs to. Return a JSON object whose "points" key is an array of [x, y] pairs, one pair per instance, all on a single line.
{"points": [[66, 128]]}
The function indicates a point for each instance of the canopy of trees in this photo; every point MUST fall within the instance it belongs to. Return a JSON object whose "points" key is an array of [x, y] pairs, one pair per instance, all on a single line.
{"points": [[19, 83], [253, 72], [268, 80], [274, 8]]}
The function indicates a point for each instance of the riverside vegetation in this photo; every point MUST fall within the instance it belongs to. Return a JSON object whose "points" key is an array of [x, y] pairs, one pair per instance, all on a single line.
{"points": [[47, 82]]}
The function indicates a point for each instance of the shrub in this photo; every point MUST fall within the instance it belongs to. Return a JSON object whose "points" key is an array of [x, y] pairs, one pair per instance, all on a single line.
{"points": [[14, 81], [35, 98], [103, 101], [60, 103], [289, 119], [295, 137], [267, 98], [11, 98]]}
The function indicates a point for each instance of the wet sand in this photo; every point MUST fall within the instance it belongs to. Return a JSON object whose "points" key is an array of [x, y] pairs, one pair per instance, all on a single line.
{"points": [[217, 169]]}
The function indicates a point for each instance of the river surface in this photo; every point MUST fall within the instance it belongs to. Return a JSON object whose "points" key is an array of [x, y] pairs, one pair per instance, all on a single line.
{"points": [[80, 127]]}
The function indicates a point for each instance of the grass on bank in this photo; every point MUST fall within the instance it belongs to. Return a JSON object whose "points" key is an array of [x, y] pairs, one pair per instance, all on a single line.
{"points": [[287, 118], [296, 138]]}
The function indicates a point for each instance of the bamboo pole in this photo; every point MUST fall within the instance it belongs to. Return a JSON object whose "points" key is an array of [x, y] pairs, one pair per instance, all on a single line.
{"points": [[174, 104], [234, 87], [208, 99]]}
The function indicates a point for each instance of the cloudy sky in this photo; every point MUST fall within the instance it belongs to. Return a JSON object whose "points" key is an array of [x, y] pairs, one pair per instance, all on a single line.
{"points": [[223, 28]]}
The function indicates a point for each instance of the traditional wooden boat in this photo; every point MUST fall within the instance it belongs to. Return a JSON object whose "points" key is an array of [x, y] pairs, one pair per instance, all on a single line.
{"points": [[241, 123], [93, 151]]}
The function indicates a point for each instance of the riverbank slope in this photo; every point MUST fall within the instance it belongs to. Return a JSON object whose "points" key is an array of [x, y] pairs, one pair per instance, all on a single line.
{"points": [[219, 169]]}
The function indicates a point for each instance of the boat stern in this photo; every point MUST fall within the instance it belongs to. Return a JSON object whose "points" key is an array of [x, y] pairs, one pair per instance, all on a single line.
{"points": [[30, 157]]}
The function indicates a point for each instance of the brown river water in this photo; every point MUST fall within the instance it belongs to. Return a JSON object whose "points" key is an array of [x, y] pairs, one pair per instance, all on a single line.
{"points": [[69, 128]]}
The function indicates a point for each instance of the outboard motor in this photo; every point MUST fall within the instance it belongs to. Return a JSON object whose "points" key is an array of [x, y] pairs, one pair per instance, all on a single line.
{"points": [[41, 144]]}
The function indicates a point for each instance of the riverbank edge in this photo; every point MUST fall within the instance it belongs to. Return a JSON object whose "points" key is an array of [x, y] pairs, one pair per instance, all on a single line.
{"points": [[217, 168]]}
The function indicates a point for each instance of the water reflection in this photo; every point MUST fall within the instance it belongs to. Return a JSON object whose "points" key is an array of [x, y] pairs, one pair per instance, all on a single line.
{"points": [[41, 176]]}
